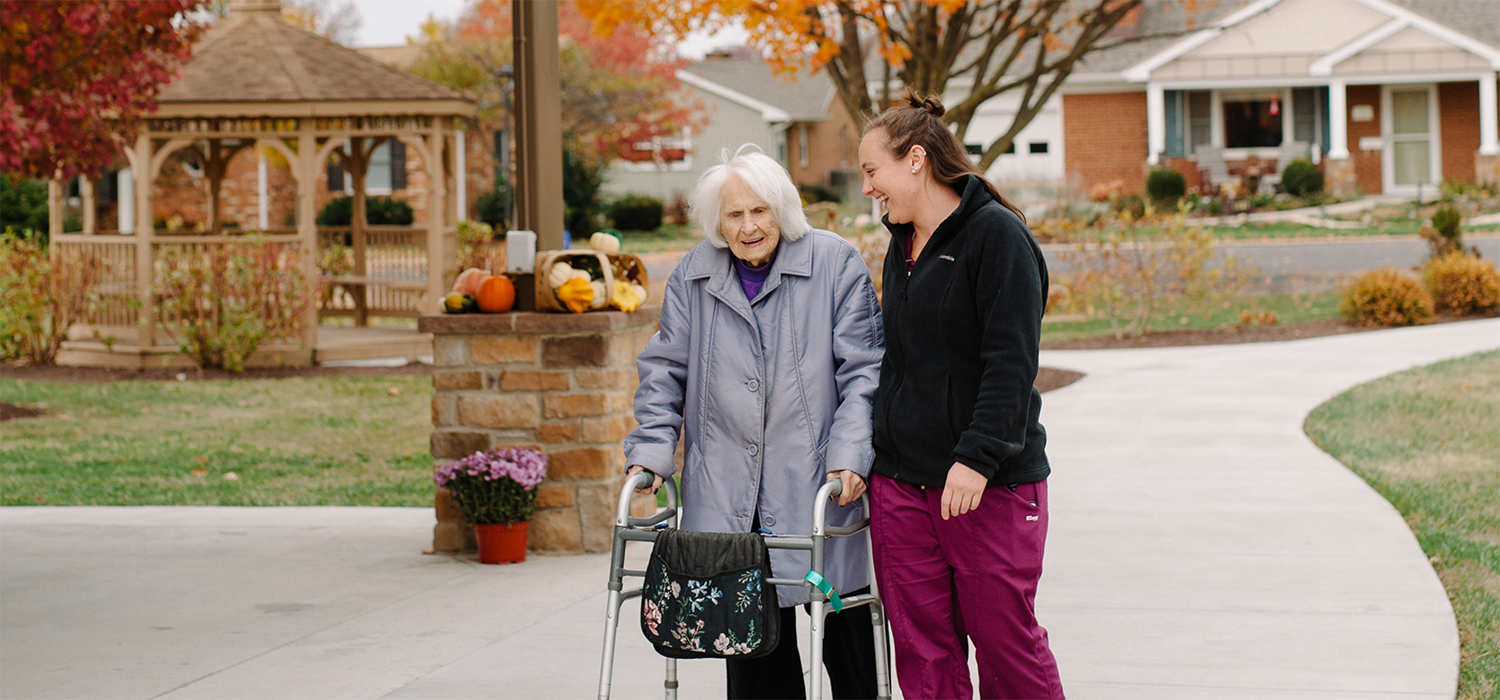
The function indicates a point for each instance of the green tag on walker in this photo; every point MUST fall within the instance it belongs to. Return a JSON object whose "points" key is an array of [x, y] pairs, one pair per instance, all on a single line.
{"points": [[827, 589]]}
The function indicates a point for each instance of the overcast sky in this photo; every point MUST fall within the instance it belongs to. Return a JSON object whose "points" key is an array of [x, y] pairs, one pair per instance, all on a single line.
{"points": [[389, 22]]}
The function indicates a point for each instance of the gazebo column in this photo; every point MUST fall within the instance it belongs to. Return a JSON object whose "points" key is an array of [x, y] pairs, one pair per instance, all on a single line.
{"points": [[54, 208], [356, 157], [90, 205], [437, 194], [307, 231], [145, 234]]}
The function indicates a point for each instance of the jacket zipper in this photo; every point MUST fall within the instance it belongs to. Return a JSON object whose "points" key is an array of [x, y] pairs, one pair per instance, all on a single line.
{"points": [[901, 354]]}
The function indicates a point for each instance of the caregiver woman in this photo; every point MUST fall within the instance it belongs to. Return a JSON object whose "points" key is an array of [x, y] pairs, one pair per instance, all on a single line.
{"points": [[765, 363], [959, 496]]}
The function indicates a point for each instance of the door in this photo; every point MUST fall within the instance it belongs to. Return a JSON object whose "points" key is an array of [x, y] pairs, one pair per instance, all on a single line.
{"points": [[1412, 152]]}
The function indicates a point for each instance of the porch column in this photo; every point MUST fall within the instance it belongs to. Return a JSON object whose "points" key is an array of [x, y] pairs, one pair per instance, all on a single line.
{"points": [[1338, 121], [125, 189], [1489, 126], [262, 192], [140, 166], [1156, 123], [460, 157], [538, 184]]}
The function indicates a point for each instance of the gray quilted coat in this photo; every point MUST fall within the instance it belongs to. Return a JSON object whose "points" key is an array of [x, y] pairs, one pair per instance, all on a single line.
{"points": [[770, 396]]}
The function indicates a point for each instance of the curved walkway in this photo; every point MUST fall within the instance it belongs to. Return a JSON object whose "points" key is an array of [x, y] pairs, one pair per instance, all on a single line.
{"points": [[1201, 547]]}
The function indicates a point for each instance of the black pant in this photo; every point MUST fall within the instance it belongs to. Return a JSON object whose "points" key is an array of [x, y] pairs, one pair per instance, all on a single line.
{"points": [[848, 654]]}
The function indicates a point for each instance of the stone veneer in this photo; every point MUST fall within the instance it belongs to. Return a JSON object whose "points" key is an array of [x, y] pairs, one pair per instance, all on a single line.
{"points": [[561, 383]]}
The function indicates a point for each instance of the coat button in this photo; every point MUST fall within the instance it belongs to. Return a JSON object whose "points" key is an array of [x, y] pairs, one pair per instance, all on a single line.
{"points": [[753, 385], [753, 450], [770, 520]]}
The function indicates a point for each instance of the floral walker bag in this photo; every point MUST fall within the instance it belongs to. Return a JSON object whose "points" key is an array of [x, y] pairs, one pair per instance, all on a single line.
{"points": [[706, 596]]}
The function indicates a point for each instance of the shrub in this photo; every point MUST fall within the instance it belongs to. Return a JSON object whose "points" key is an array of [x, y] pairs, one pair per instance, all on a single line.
{"points": [[492, 205], [1131, 204], [1166, 186], [635, 212], [41, 297], [1463, 285], [379, 211], [583, 176], [23, 204], [1301, 178], [225, 299], [1386, 297]]}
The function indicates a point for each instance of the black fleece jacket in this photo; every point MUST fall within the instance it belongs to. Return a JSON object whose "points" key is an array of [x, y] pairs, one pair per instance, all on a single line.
{"points": [[961, 338]]}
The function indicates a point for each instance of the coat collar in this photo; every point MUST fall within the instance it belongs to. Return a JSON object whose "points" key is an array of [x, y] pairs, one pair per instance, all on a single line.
{"points": [[973, 196], [717, 265]]}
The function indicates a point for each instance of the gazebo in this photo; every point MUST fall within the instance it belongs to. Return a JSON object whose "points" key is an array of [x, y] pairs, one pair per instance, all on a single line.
{"points": [[256, 81]]}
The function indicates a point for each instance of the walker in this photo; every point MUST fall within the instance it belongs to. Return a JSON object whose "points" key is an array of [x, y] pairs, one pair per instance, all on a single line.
{"points": [[628, 529]]}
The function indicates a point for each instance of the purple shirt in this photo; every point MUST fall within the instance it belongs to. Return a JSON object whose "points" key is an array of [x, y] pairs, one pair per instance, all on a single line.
{"points": [[753, 278]]}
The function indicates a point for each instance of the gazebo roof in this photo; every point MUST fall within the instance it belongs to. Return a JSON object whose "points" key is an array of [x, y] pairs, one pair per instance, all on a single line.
{"points": [[256, 64]]}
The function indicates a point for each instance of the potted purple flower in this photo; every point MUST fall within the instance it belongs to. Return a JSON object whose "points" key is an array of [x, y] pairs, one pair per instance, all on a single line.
{"points": [[496, 491]]}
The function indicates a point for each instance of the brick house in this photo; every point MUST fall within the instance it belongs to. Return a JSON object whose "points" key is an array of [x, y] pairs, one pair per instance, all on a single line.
{"points": [[800, 122], [1388, 96]]}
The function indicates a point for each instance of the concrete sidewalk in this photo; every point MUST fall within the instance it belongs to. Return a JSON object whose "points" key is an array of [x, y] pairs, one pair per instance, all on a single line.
{"points": [[1201, 547]]}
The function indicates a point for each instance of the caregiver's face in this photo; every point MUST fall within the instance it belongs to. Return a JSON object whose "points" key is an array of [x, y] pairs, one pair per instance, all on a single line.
{"points": [[747, 223]]}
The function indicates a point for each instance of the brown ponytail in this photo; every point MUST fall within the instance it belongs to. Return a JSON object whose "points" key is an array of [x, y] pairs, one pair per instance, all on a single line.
{"points": [[918, 122]]}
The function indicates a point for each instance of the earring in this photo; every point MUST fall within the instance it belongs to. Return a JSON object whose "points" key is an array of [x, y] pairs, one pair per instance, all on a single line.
{"points": [[914, 170]]}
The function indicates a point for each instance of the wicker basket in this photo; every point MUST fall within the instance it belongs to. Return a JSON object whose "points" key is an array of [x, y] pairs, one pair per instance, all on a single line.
{"points": [[627, 265]]}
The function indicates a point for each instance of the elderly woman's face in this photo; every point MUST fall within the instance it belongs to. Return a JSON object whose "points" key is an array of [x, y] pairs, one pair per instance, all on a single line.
{"points": [[747, 223]]}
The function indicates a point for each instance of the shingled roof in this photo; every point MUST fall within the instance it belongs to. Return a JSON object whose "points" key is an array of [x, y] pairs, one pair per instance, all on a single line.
{"points": [[804, 98], [255, 56]]}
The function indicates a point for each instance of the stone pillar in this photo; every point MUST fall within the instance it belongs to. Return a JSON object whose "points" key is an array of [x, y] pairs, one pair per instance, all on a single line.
{"points": [[561, 383]]}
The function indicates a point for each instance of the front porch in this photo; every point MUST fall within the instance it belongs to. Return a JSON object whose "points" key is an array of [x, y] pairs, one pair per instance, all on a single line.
{"points": [[1386, 100]]}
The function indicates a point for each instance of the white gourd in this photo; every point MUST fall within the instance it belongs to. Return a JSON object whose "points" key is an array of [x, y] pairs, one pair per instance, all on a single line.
{"points": [[560, 274], [601, 295]]}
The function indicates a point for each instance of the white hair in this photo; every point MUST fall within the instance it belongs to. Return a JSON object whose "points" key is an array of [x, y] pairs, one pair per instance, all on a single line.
{"points": [[765, 178]]}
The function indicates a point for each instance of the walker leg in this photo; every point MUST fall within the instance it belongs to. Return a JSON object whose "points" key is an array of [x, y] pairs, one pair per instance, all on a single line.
{"points": [[815, 656], [611, 628], [671, 682], [882, 653]]}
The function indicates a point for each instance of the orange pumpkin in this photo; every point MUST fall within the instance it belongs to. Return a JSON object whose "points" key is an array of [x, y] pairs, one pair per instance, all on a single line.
{"points": [[469, 280], [496, 295]]}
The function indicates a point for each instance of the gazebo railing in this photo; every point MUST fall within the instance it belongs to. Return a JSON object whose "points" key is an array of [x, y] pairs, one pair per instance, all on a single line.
{"points": [[380, 271]]}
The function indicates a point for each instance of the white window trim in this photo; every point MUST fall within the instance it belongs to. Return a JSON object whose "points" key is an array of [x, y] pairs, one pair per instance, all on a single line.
{"points": [[1388, 146], [802, 139]]}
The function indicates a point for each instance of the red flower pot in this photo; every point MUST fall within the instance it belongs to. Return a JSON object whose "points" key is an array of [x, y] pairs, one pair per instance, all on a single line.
{"points": [[501, 544]]}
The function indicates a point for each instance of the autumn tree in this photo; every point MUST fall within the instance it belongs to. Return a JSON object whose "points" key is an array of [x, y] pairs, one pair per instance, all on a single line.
{"points": [[616, 92], [79, 74], [978, 49]]}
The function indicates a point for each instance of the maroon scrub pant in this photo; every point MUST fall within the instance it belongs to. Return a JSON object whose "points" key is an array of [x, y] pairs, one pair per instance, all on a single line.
{"points": [[972, 576]]}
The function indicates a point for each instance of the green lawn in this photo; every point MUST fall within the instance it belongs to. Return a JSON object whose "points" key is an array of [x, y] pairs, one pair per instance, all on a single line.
{"points": [[1289, 308], [303, 441], [1426, 439], [667, 237]]}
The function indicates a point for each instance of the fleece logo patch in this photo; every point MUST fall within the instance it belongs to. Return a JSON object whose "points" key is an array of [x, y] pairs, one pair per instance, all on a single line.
{"points": [[949, 258]]}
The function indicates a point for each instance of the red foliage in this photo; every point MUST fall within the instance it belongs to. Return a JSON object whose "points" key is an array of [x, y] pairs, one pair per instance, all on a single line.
{"points": [[78, 75]]}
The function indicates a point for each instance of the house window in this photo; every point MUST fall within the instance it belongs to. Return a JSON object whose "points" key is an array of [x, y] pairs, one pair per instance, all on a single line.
{"points": [[1037, 147], [802, 145], [1252, 122], [660, 153], [974, 149], [1009, 150]]}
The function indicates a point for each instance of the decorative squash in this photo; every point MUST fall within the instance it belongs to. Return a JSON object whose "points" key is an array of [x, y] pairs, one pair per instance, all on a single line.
{"points": [[576, 294], [496, 295], [469, 280], [625, 298]]}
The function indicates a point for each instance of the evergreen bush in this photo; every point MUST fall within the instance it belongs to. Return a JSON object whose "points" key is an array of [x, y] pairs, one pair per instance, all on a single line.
{"points": [[1301, 178], [379, 211], [1166, 186], [635, 212]]}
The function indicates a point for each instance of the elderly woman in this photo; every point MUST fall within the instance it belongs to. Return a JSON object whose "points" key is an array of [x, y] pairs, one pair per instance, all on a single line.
{"points": [[765, 365]]}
